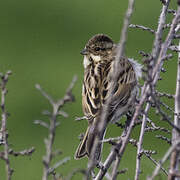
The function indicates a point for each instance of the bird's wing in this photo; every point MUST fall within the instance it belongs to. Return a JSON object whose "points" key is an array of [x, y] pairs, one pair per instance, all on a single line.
{"points": [[123, 87], [98, 82]]}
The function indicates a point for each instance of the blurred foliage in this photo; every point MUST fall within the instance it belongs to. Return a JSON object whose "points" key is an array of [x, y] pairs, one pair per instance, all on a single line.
{"points": [[40, 41]]}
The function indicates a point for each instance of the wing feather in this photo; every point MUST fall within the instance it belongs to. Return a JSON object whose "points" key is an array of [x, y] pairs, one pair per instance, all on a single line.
{"points": [[97, 85]]}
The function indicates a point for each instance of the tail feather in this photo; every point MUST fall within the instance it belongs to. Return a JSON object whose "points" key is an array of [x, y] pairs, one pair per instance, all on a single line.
{"points": [[86, 144], [81, 150]]}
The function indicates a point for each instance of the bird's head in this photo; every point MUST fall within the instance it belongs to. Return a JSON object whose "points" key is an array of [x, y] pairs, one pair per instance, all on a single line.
{"points": [[98, 48]]}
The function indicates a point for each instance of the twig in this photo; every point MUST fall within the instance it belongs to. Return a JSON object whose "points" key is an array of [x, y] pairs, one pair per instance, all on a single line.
{"points": [[164, 138], [102, 123], [156, 163], [42, 123], [159, 32], [142, 27], [172, 11], [155, 128], [111, 140], [147, 154], [157, 45], [167, 154], [74, 172], [163, 94], [166, 44], [174, 163], [59, 163], [155, 53], [81, 118], [26, 152], [3, 131], [174, 48], [68, 97], [119, 55], [139, 147]]}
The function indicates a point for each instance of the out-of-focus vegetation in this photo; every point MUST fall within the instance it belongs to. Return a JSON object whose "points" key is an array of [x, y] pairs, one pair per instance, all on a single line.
{"points": [[40, 42]]}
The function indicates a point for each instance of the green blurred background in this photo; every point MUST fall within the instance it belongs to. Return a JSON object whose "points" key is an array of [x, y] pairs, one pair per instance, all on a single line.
{"points": [[40, 41]]}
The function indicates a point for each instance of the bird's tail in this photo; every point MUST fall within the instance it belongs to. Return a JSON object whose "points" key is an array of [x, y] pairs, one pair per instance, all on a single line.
{"points": [[81, 150], [86, 145]]}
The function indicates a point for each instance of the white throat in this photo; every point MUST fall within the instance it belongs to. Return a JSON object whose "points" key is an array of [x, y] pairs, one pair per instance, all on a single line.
{"points": [[96, 58], [87, 62]]}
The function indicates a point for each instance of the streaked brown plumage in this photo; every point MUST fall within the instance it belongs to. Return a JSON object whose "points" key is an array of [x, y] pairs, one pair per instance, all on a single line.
{"points": [[99, 55]]}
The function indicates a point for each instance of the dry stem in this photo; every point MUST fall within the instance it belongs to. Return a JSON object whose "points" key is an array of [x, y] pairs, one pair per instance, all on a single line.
{"points": [[56, 105]]}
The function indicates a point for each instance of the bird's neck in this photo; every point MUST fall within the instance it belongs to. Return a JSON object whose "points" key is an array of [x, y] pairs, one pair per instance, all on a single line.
{"points": [[93, 60]]}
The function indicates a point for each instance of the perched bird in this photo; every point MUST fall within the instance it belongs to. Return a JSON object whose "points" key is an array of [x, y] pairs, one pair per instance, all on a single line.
{"points": [[99, 57]]}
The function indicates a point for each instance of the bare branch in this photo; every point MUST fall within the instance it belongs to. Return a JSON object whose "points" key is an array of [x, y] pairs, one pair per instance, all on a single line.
{"points": [[142, 27], [47, 96], [74, 172], [102, 123], [148, 155], [174, 48], [168, 153], [42, 123], [59, 163], [164, 138], [81, 118], [68, 97], [3, 131], [159, 32], [141, 137], [174, 163], [26, 152]]}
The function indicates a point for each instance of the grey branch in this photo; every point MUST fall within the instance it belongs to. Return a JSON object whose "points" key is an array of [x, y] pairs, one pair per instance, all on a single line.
{"points": [[148, 154], [103, 118], [74, 172], [81, 118], [164, 138], [26, 152], [167, 154], [149, 95], [49, 141], [142, 27], [42, 123], [3, 131], [59, 163], [139, 146], [174, 163], [155, 53], [174, 48]]}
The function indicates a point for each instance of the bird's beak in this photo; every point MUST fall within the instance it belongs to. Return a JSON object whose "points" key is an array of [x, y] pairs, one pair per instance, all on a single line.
{"points": [[84, 52]]}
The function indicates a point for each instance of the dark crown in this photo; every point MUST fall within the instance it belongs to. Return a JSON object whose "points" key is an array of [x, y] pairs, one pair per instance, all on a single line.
{"points": [[99, 38]]}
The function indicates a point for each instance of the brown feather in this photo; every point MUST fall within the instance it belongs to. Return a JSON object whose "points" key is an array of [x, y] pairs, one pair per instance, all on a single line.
{"points": [[96, 88]]}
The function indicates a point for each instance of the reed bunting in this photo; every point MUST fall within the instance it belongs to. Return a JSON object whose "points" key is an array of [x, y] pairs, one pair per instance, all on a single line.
{"points": [[99, 57]]}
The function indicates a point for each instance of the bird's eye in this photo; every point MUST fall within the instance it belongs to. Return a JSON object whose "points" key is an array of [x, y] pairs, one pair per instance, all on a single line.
{"points": [[97, 49]]}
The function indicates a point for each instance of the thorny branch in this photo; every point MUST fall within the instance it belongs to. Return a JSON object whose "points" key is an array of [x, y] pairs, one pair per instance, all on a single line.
{"points": [[4, 132], [167, 154], [149, 95], [148, 154], [102, 122], [157, 68], [174, 165], [49, 141]]}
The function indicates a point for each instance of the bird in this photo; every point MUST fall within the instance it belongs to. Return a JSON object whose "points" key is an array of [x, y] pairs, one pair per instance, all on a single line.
{"points": [[99, 58]]}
